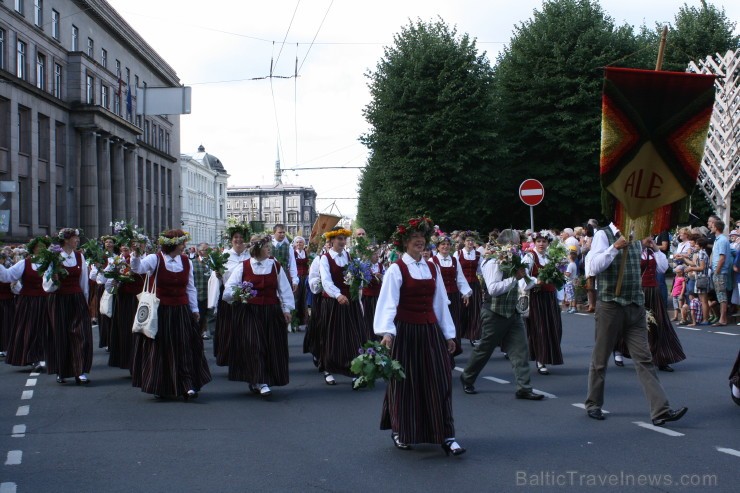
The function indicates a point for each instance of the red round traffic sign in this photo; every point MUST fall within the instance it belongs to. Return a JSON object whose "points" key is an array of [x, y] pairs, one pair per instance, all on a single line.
{"points": [[531, 192]]}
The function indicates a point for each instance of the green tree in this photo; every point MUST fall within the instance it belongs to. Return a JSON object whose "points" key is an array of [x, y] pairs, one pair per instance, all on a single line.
{"points": [[431, 141]]}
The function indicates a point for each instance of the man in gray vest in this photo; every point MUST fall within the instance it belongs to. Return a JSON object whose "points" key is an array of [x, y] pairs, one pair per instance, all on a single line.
{"points": [[622, 313], [283, 252], [501, 324]]}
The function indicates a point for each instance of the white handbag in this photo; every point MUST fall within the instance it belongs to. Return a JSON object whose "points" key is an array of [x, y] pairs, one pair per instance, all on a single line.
{"points": [[106, 304], [522, 302], [145, 320]]}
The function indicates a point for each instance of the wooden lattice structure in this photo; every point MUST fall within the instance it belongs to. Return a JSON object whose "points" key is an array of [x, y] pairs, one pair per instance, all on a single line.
{"points": [[720, 168]]}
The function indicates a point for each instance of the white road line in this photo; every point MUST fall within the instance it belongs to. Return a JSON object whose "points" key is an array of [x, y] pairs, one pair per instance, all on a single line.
{"points": [[582, 314], [27, 394], [14, 457], [457, 368], [546, 394], [19, 431], [22, 410], [35, 374], [31, 382], [7, 488], [730, 451], [659, 429], [583, 406], [497, 380], [689, 328], [726, 333]]}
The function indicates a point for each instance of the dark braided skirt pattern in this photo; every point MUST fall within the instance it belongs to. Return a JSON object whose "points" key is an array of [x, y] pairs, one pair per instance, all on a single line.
{"points": [[121, 343], [71, 342], [29, 333], [544, 328], [222, 333], [7, 312], [300, 300], [470, 315], [312, 339], [343, 334], [104, 322], [368, 312]]}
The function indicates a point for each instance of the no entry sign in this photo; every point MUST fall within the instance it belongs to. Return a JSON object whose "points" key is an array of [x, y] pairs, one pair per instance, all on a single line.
{"points": [[531, 192]]}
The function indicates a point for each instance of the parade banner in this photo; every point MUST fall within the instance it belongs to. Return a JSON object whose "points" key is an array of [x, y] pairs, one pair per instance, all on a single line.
{"points": [[653, 132], [323, 224]]}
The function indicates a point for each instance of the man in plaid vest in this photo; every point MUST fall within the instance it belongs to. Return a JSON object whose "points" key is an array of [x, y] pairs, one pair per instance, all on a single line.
{"points": [[201, 273], [284, 253], [501, 324], [622, 314]]}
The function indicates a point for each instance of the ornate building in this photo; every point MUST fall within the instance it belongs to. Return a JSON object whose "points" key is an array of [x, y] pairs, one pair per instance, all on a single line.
{"points": [[71, 145], [203, 196]]}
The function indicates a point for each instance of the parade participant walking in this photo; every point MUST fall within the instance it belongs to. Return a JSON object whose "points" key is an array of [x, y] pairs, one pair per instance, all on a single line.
{"points": [[544, 324], [371, 292], [258, 347], [315, 332], [470, 260], [7, 303], [121, 347], [284, 253], [70, 353], [301, 262], [29, 333], [104, 322], [200, 277], [456, 286], [173, 363], [413, 319], [502, 326], [621, 312]]}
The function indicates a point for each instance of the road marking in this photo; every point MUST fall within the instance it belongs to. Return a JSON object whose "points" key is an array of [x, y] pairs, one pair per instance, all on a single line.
{"points": [[689, 328], [457, 368], [22, 410], [659, 429], [7, 488], [497, 380], [27, 394], [19, 431], [726, 333], [546, 394], [583, 406], [35, 374], [582, 314], [14, 457], [31, 382], [730, 451]]}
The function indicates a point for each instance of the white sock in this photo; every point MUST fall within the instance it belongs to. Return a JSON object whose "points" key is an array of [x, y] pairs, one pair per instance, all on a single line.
{"points": [[735, 391], [618, 356]]}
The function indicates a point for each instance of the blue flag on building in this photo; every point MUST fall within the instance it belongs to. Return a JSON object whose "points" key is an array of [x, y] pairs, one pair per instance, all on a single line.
{"points": [[129, 104]]}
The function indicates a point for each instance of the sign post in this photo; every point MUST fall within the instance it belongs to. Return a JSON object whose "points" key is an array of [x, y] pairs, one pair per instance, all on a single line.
{"points": [[531, 192]]}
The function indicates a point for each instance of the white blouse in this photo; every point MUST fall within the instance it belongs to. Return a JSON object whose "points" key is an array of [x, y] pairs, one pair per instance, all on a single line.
{"points": [[70, 260], [262, 268], [469, 255], [327, 283], [314, 276], [462, 283], [15, 273], [148, 264]]}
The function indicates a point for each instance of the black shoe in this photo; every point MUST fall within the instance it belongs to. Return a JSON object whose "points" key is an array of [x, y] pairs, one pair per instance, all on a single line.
{"points": [[398, 443], [447, 447], [254, 389], [670, 415], [529, 395], [666, 368], [468, 389], [60, 379], [596, 414]]}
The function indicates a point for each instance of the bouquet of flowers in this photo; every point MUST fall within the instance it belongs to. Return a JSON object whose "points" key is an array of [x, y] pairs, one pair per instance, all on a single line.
{"points": [[244, 291], [374, 361], [357, 276], [93, 252], [361, 248], [127, 232], [554, 271], [118, 270], [51, 263], [216, 260], [509, 258]]}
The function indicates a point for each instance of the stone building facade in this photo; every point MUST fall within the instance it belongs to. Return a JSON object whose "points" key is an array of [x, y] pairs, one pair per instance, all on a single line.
{"points": [[204, 182], [71, 145], [292, 205]]}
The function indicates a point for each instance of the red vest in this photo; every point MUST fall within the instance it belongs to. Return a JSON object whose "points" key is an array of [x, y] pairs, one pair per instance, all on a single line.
{"points": [[266, 285], [470, 267], [5, 292], [449, 274], [172, 286], [337, 275], [416, 303], [373, 289], [536, 269], [649, 269], [301, 265], [134, 287], [71, 283], [32, 281]]}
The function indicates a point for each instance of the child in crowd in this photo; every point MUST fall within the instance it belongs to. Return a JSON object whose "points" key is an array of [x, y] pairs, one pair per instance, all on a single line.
{"points": [[571, 273], [679, 286], [693, 311]]}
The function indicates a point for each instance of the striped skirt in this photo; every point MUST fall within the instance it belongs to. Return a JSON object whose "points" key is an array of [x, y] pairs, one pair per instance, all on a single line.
{"points": [[470, 315], [173, 362], [419, 408], [343, 333], [121, 341], [93, 300], [258, 347], [7, 312], [544, 328], [71, 341], [312, 339], [300, 300], [222, 333], [104, 322], [456, 307], [368, 313], [29, 333]]}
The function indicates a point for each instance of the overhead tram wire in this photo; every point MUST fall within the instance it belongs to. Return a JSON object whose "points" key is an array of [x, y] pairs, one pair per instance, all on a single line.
{"points": [[314, 37]]}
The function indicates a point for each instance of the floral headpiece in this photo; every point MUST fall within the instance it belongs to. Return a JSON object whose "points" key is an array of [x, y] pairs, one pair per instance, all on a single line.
{"points": [[260, 240], [241, 228], [39, 239], [108, 237], [67, 233], [464, 235], [164, 241], [441, 237], [422, 225], [337, 232], [543, 234]]}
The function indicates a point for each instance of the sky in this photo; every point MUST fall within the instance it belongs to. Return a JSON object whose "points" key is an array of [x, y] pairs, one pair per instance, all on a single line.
{"points": [[314, 120]]}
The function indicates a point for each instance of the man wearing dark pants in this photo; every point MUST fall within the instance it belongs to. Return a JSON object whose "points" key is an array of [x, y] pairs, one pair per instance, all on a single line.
{"points": [[622, 314], [501, 324]]}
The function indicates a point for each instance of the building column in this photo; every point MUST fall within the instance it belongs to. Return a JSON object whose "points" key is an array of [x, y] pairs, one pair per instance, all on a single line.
{"points": [[88, 184], [131, 195], [105, 214], [118, 182]]}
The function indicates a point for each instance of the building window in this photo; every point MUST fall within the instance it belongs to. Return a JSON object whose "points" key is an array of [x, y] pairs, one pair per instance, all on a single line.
{"points": [[228, 205], [167, 142], [128, 78], [146, 131], [19, 6], [55, 24], [161, 139], [138, 121], [38, 7], [21, 61], [277, 217], [41, 71], [4, 123], [307, 203], [306, 216], [2, 48], [104, 96], [90, 93], [104, 57], [44, 139], [75, 38], [57, 81], [24, 130], [90, 48]]}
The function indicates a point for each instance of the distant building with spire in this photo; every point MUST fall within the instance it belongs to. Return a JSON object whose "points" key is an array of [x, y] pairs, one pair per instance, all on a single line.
{"points": [[204, 182]]}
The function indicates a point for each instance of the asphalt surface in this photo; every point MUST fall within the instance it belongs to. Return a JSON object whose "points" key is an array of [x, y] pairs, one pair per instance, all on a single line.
{"points": [[110, 437]]}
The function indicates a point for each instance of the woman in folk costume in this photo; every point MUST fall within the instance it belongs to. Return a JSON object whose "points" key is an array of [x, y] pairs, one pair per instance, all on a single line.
{"points": [[544, 324], [173, 363], [371, 292], [470, 261], [415, 324], [301, 263], [314, 329], [258, 347], [71, 351], [7, 303], [343, 328], [121, 344], [104, 323], [664, 343], [238, 235], [29, 332], [457, 287]]}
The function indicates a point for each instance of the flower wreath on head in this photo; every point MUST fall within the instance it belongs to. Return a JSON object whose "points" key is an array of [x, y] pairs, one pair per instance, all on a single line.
{"points": [[464, 235], [241, 228], [108, 237], [67, 233], [543, 234], [164, 241], [337, 232], [441, 237], [39, 239], [403, 231], [260, 240]]}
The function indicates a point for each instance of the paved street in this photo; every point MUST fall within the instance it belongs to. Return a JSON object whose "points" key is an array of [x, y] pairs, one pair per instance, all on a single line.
{"points": [[109, 437]]}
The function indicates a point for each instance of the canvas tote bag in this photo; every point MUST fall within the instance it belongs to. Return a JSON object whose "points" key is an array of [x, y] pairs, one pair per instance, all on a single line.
{"points": [[145, 320]]}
